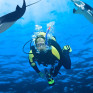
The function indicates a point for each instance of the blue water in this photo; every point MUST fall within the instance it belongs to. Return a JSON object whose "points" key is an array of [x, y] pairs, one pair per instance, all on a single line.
{"points": [[16, 74]]}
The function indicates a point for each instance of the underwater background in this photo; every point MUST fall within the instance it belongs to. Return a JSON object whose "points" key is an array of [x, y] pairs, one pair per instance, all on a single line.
{"points": [[16, 74]]}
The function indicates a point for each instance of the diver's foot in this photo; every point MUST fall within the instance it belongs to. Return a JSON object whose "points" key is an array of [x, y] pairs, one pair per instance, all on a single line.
{"points": [[67, 48]]}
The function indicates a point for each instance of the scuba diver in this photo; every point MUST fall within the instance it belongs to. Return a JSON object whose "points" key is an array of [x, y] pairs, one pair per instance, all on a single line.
{"points": [[46, 51]]}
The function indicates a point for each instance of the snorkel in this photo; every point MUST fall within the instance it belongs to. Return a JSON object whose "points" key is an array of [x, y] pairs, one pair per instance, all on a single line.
{"points": [[49, 32]]}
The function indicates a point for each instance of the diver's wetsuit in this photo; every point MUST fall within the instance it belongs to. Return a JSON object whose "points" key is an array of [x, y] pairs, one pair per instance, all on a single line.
{"points": [[52, 56]]}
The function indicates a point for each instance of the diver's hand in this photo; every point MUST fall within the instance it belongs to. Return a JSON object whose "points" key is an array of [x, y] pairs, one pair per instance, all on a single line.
{"points": [[42, 75]]}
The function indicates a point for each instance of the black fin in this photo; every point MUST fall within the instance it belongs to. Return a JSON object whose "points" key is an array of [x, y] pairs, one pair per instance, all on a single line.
{"points": [[17, 7], [74, 10]]}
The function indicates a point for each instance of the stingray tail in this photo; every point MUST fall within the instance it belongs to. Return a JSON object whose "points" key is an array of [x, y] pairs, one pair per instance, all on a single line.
{"points": [[33, 3]]}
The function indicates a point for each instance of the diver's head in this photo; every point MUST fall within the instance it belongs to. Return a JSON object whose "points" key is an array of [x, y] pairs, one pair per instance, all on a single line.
{"points": [[40, 43]]}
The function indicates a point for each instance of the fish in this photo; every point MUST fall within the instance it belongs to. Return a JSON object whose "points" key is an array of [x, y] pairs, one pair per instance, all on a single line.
{"points": [[84, 9]]}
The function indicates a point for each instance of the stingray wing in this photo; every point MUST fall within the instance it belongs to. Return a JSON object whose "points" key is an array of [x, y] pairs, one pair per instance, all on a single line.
{"points": [[8, 20], [5, 26]]}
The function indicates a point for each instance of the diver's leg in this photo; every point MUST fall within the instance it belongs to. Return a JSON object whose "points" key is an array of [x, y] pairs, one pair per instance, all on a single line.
{"points": [[55, 71], [66, 61], [52, 70]]}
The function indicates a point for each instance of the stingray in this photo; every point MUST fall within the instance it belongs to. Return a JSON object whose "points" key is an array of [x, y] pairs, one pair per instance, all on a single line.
{"points": [[9, 19], [84, 9]]}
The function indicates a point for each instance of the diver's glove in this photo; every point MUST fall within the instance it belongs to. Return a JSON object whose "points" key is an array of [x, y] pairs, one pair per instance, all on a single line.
{"points": [[42, 75], [68, 48]]}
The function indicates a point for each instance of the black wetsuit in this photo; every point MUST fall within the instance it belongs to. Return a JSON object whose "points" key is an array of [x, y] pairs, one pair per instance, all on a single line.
{"points": [[52, 56]]}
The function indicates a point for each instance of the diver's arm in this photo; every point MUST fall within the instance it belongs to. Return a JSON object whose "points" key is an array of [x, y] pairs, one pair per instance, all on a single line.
{"points": [[32, 63], [34, 66]]}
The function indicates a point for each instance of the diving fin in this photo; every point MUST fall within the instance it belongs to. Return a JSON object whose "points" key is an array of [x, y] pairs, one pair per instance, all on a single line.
{"points": [[51, 81], [74, 10], [78, 11]]}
